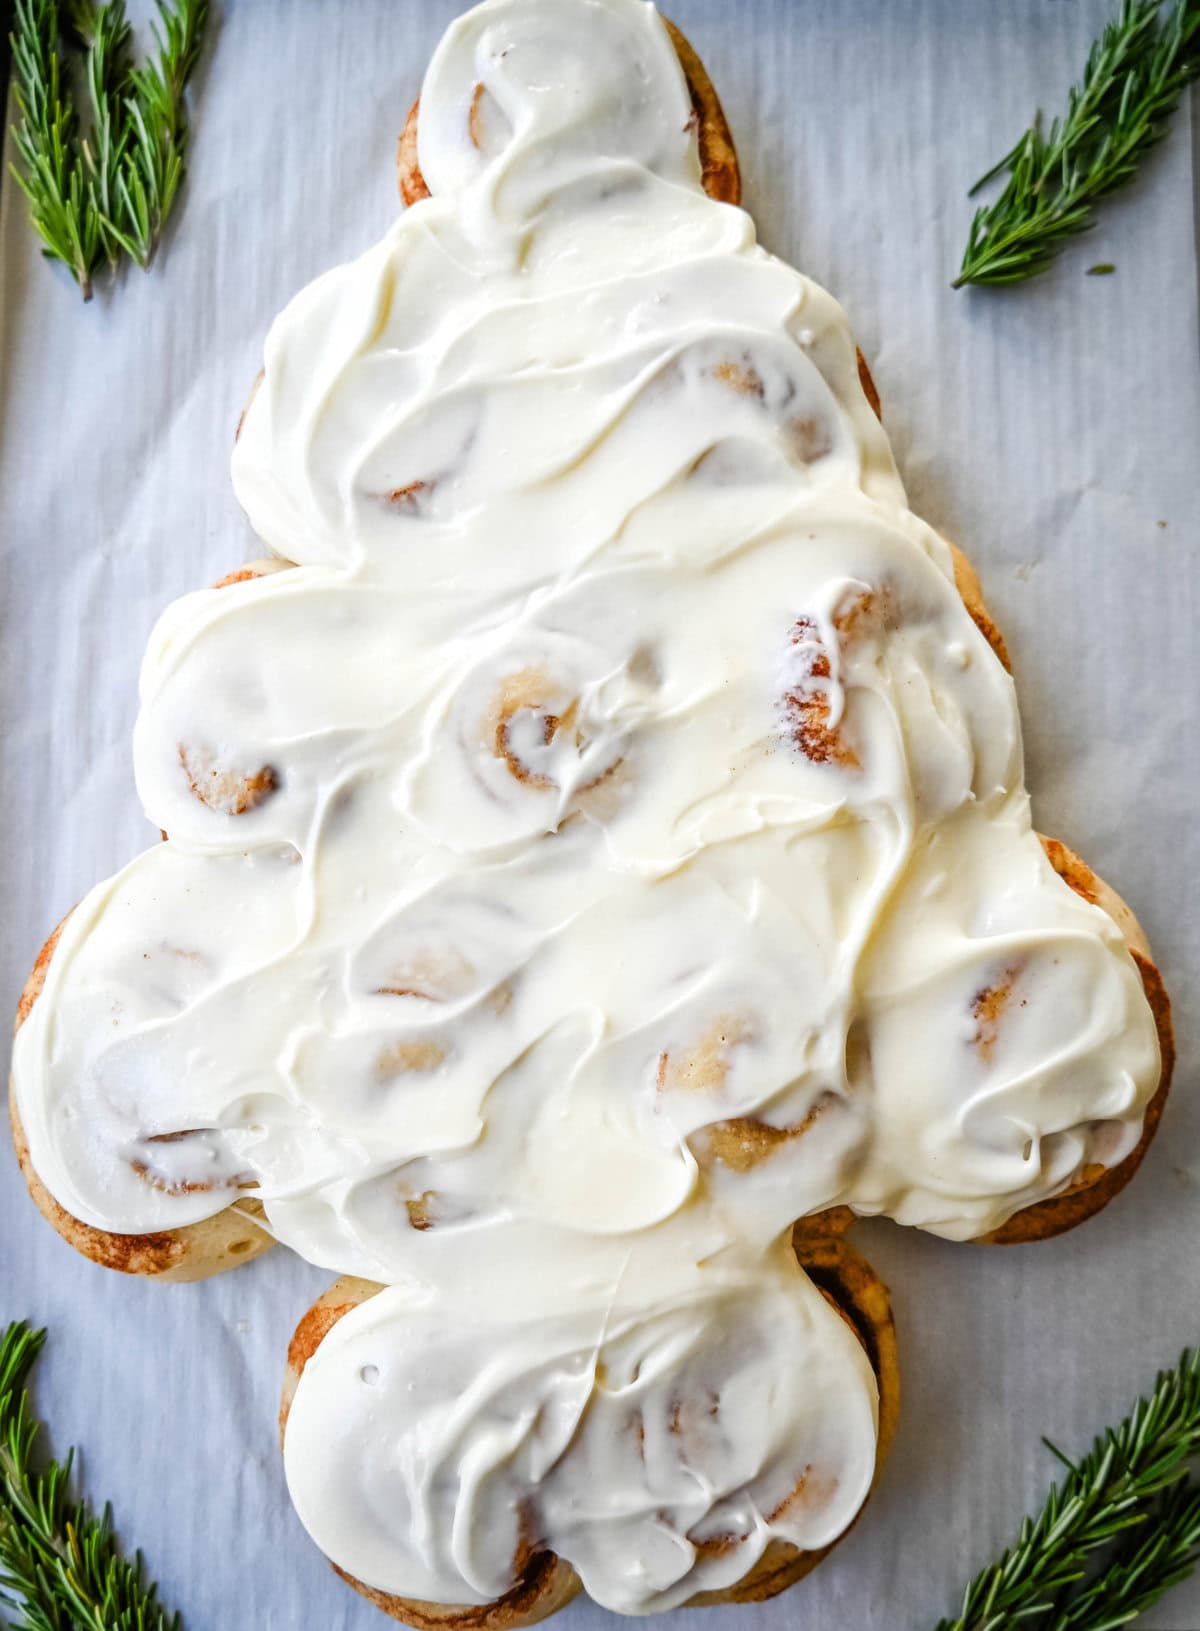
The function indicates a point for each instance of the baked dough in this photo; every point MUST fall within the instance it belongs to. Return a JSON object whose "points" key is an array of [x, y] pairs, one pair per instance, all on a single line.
{"points": [[734, 1145]]}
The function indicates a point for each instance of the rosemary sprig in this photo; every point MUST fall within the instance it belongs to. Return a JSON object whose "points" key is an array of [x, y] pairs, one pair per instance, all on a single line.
{"points": [[47, 140], [104, 32], [153, 167], [1135, 74], [59, 1564], [107, 189], [60, 1567], [1129, 1494], [1152, 1558]]}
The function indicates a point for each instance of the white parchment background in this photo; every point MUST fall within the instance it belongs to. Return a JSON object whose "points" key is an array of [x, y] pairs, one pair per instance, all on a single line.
{"points": [[1054, 432]]}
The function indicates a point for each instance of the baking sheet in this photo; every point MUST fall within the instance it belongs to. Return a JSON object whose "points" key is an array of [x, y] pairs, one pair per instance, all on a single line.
{"points": [[1053, 431]]}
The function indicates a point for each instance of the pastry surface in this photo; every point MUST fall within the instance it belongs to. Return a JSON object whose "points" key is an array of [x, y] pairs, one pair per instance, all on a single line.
{"points": [[607, 844], [547, 1583]]}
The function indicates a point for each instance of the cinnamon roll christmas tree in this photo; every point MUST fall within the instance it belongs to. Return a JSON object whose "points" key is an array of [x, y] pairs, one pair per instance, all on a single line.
{"points": [[599, 869]]}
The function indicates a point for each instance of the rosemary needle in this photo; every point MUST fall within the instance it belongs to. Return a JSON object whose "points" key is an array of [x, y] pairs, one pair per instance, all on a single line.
{"points": [[1128, 1504], [103, 189], [60, 1567], [1135, 74]]}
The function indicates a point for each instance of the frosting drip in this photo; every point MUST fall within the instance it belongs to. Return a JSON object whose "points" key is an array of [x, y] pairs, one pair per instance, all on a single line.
{"points": [[605, 845]]}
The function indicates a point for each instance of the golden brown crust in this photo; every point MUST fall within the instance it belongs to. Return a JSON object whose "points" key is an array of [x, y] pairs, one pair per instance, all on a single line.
{"points": [[720, 172], [846, 1281], [37, 976], [546, 1583], [129, 1254], [966, 580], [968, 586], [262, 568], [868, 385], [315, 1325], [722, 180], [842, 1276], [849, 1283], [718, 157], [1093, 1190], [195, 1250], [1076, 872], [408, 170], [192, 1252]]}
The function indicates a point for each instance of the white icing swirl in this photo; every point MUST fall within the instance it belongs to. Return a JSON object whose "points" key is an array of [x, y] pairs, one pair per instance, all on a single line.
{"points": [[645, 1440], [607, 845]]}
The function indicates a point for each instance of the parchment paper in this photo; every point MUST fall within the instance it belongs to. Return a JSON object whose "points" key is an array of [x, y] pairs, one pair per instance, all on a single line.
{"points": [[1054, 432]]}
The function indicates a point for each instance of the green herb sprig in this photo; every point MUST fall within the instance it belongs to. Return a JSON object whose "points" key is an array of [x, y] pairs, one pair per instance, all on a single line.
{"points": [[1128, 1505], [1136, 72], [105, 34], [102, 185], [60, 1568]]}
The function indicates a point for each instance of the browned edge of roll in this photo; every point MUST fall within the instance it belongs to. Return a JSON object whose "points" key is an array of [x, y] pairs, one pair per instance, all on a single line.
{"points": [[850, 1285], [193, 1251], [845, 1280], [718, 156], [719, 167], [1095, 1187], [546, 1583]]}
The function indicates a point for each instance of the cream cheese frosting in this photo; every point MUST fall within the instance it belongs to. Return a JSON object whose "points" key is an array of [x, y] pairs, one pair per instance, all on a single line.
{"points": [[604, 845]]}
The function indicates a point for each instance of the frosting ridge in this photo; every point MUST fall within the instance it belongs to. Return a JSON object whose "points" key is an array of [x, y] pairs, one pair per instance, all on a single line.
{"points": [[606, 844]]}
